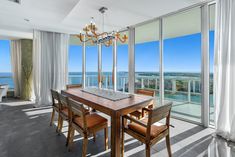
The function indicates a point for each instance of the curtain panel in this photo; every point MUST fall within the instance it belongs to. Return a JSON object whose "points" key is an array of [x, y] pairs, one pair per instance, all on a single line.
{"points": [[50, 59], [224, 69], [16, 66]]}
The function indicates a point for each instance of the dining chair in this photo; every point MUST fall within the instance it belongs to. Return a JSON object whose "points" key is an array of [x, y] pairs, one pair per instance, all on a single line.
{"points": [[140, 113], [63, 113], [55, 106], [85, 124], [148, 130], [69, 86]]}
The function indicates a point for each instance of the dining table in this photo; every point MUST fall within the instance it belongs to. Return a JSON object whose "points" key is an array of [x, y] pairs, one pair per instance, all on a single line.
{"points": [[113, 103]]}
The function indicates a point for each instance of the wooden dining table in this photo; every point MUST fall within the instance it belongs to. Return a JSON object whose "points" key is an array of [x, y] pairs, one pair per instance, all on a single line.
{"points": [[115, 109]]}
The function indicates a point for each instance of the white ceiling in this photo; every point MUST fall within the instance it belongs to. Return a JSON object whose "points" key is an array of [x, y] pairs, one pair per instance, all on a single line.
{"points": [[69, 16]]}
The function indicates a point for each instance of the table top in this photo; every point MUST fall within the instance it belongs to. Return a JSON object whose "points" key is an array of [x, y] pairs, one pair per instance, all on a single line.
{"points": [[107, 93], [97, 102]]}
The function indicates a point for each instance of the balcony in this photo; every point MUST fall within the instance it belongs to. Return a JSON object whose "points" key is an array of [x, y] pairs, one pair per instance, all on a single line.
{"points": [[184, 91]]}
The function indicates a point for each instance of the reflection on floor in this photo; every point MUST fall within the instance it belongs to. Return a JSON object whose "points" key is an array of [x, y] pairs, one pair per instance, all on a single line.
{"points": [[189, 110], [25, 132]]}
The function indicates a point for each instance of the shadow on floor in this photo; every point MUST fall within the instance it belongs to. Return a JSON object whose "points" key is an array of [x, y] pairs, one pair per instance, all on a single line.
{"points": [[25, 132]]}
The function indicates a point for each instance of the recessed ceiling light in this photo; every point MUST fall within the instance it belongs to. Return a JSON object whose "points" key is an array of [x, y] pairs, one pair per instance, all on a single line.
{"points": [[27, 20], [16, 1]]}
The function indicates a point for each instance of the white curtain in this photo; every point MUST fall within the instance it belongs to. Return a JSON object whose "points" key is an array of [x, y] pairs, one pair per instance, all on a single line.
{"points": [[50, 57], [16, 65], [219, 147], [224, 64]]}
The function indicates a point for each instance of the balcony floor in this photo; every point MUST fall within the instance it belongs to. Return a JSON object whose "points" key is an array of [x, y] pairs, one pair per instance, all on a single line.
{"points": [[25, 132]]}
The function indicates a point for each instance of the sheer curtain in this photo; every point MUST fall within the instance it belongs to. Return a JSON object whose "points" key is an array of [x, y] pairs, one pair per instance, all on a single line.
{"points": [[224, 80], [50, 57], [16, 65]]}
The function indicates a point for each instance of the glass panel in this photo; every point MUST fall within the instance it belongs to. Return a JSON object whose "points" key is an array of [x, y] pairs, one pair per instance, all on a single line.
{"points": [[5, 60], [107, 67], [122, 65], [91, 65], [211, 48], [75, 64], [147, 57], [182, 63]]}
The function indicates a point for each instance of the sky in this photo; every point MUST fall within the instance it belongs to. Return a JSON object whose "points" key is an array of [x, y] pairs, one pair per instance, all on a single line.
{"points": [[181, 54], [5, 60]]}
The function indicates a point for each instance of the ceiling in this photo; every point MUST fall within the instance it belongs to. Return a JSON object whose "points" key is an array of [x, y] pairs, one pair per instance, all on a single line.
{"points": [[70, 16]]}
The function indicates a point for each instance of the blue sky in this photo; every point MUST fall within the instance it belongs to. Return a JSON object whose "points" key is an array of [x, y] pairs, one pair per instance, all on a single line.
{"points": [[181, 54], [5, 60]]}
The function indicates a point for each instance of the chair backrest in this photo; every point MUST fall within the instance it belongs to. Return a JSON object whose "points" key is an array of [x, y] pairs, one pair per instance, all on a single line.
{"points": [[77, 109], [145, 92], [63, 101], [55, 97], [159, 113], [69, 86]]}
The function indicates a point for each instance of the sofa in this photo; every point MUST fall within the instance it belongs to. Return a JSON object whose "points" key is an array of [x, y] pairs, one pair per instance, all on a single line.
{"points": [[3, 91]]}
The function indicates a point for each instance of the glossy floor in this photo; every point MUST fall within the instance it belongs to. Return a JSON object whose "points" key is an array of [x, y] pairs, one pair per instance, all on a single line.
{"points": [[25, 132]]}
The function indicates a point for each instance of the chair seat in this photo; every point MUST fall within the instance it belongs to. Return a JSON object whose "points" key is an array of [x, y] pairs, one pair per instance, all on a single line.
{"points": [[93, 120], [65, 111], [156, 128]]}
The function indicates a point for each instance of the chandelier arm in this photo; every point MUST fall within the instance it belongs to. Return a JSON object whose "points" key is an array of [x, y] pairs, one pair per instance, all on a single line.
{"points": [[88, 35], [95, 34], [123, 39]]}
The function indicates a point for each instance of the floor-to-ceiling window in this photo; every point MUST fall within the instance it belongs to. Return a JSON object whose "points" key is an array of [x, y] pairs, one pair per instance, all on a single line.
{"points": [[91, 65], [107, 66], [122, 65], [75, 61], [5, 64], [182, 63], [147, 56], [211, 56]]}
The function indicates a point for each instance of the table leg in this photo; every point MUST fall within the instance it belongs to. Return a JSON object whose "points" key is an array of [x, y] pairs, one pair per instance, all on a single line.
{"points": [[115, 135]]}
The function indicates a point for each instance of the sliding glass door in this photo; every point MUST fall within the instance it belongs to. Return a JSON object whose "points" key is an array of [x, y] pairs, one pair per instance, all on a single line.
{"points": [[122, 65], [75, 62], [147, 57], [211, 56], [182, 63], [91, 65], [107, 66]]}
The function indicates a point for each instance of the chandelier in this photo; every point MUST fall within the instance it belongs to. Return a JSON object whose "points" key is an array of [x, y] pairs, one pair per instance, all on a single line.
{"points": [[92, 35]]}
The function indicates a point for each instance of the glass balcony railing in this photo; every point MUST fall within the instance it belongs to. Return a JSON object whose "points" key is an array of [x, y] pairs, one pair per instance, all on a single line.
{"points": [[184, 91]]}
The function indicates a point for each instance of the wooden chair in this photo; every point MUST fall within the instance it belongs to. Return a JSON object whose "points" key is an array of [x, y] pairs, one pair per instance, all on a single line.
{"points": [[85, 124], [55, 106], [140, 113], [69, 86], [63, 114], [146, 131]]}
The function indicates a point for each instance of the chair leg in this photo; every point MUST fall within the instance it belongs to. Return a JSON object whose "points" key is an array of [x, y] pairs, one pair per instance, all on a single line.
{"points": [[58, 125], [148, 150], [68, 135], [106, 138], [84, 146], [94, 136], [61, 125], [71, 136], [52, 116], [168, 145], [143, 113]]}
